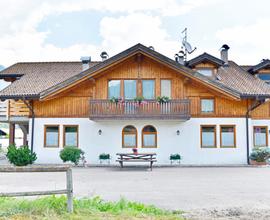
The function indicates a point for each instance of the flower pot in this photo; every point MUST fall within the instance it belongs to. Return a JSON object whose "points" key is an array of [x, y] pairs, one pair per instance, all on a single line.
{"points": [[255, 163]]}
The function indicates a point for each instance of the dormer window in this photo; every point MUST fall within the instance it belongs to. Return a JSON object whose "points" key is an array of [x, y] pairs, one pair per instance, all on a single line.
{"points": [[265, 77], [205, 71]]}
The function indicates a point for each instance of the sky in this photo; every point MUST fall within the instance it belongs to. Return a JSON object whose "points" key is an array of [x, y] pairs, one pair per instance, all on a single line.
{"points": [[65, 30]]}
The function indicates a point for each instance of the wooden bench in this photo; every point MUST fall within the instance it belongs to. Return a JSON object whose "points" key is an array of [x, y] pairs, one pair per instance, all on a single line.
{"points": [[138, 157]]}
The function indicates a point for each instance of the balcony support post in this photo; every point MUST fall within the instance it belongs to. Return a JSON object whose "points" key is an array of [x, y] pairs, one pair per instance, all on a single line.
{"points": [[11, 133]]}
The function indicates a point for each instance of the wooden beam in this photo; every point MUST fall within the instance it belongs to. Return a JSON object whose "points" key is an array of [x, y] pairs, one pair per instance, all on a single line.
{"points": [[11, 133]]}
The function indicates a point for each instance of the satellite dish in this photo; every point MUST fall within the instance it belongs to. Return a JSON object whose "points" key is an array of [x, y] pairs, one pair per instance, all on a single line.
{"points": [[188, 47]]}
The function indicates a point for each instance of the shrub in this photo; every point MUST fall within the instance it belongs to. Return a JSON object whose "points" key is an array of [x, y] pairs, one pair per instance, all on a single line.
{"points": [[175, 157], [20, 156], [260, 154], [72, 154], [104, 156]]}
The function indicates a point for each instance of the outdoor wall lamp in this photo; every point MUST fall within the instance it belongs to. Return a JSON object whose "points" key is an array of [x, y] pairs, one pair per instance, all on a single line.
{"points": [[99, 131], [178, 132]]}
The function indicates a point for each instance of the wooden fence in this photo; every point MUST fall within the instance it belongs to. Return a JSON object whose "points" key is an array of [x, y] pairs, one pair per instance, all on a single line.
{"points": [[36, 168]]}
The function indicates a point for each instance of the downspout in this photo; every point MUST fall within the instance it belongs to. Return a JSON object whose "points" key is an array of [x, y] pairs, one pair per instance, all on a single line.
{"points": [[249, 109], [33, 122]]}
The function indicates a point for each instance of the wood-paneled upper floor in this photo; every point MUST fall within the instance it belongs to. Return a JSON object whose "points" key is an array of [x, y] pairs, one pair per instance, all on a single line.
{"points": [[75, 101]]}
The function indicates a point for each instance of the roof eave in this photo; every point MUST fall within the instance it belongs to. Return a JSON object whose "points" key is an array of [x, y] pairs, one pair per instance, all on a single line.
{"points": [[18, 97]]}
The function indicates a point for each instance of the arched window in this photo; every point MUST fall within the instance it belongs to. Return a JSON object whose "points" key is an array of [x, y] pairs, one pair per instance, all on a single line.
{"points": [[129, 137], [149, 137]]}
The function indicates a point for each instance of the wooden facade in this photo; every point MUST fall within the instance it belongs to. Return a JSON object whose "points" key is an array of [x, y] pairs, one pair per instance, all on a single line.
{"points": [[74, 102]]}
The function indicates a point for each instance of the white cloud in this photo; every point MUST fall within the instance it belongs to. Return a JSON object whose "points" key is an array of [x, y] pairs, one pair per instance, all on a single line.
{"points": [[20, 40], [248, 39]]}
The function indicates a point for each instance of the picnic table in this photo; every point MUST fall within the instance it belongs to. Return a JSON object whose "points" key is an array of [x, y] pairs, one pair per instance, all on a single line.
{"points": [[136, 157]]}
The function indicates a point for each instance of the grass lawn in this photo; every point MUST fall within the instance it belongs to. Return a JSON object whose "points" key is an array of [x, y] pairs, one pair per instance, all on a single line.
{"points": [[53, 208]]}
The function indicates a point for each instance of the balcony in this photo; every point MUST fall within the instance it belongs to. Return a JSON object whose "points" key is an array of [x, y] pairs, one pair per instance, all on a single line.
{"points": [[172, 110], [13, 111]]}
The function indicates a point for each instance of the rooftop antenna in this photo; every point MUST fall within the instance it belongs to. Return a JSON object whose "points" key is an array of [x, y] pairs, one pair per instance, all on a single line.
{"points": [[186, 45]]}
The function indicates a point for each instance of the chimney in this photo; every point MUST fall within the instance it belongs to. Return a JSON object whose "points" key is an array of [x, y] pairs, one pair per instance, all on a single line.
{"points": [[180, 57], [224, 53], [104, 55], [85, 62]]}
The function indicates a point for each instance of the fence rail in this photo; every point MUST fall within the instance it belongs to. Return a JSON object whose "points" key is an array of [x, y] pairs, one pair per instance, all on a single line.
{"points": [[173, 109], [35, 168]]}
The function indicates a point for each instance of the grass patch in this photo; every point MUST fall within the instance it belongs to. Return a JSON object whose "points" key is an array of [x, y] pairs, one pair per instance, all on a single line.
{"points": [[54, 208]]}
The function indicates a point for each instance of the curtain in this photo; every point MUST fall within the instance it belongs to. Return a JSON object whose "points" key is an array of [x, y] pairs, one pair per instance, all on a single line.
{"points": [[208, 137], [149, 140], [114, 88], [130, 89], [71, 136], [227, 139], [148, 87], [260, 136], [52, 136], [166, 88], [207, 105], [130, 140]]}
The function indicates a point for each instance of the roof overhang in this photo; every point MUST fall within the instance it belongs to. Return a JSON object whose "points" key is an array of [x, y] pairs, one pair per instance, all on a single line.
{"points": [[19, 97], [262, 65]]}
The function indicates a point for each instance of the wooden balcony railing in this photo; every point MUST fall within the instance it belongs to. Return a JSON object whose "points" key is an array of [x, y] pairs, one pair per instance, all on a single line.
{"points": [[11, 108], [150, 109]]}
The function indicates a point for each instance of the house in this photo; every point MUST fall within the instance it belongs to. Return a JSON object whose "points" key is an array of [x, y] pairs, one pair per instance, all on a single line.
{"points": [[216, 113]]}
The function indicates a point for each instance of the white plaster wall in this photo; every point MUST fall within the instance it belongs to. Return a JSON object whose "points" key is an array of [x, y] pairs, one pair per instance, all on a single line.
{"points": [[187, 143]]}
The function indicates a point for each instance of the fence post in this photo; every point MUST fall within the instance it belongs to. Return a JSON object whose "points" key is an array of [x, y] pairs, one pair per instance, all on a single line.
{"points": [[69, 191]]}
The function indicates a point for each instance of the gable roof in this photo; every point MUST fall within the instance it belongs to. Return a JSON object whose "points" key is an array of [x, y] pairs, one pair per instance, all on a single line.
{"points": [[139, 48], [43, 79], [205, 57], [265, 63]]}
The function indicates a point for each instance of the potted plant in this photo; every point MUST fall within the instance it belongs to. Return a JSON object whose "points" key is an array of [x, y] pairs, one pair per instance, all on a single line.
{"points": [[175, 158], [104, 157], [163, 99], [139, 99], [135, 150], [259, 156], [114, 100]]}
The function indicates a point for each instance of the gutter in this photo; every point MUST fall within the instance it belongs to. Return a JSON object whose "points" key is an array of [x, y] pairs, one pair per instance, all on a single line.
{"points": [[249, 109]]}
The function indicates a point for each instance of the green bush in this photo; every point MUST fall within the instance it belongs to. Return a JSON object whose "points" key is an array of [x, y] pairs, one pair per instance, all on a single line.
{"points": [[20, 156], [104, 156], [260, 154], [175, 157], [71, 154]]}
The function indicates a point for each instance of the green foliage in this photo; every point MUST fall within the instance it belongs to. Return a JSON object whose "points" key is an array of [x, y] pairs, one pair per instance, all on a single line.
{"points": [[71, 154], [53, 207], [175, 157], [138, 99], [114, 100], [20, 156], [260, 154], [163, 99], [104, 156]]}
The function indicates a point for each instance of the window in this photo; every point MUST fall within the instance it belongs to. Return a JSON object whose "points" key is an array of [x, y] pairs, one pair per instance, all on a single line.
{"points": [[227, 136], [260, 136], [166, 85], [130, 89], [207, 106], [149, 137], [70, 135], [129, 137], [114, 88], [205, 71], [264, 76], [51, 136], [148, 89], [208, 136]]}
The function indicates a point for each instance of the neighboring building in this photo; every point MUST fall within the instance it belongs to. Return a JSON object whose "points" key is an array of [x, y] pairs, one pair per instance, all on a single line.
{"points": [[217, 112]]}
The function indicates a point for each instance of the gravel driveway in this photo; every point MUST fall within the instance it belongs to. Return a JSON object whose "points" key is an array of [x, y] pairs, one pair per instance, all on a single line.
{"points": [[204, 193]]}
